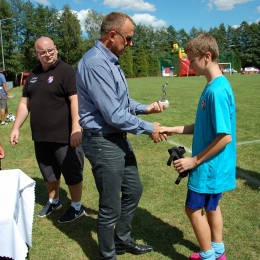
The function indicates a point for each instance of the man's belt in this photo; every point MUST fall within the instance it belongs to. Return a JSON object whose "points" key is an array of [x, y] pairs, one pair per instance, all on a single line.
{"points": [[110, 135]]}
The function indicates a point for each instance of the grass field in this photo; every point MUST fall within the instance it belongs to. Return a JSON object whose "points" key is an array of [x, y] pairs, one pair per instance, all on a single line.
{"points": [[160, 219]]}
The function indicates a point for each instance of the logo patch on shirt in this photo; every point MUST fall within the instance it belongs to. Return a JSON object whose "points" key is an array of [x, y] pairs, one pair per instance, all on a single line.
{"points": [[203, 104], [33, 79], [50, 79]]}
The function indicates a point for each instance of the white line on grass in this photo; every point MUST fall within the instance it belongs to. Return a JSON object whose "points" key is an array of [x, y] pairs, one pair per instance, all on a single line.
{"points": [[174, 143], [189, 150], [248, 142], [240, 172]]}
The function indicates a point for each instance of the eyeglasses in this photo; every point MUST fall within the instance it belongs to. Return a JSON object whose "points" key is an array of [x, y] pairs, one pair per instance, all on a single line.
{"points": [[128, 38], [43, 53]]}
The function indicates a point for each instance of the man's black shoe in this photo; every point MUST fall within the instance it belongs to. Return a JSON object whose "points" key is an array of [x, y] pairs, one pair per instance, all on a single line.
{"points": [[132, 248]]}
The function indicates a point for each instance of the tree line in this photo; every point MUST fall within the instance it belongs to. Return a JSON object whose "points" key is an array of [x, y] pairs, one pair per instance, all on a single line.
{"points": [[29, 22]]}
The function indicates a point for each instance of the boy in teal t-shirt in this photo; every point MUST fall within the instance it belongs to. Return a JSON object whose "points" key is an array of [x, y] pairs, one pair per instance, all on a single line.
{"points": [[213, 162]]}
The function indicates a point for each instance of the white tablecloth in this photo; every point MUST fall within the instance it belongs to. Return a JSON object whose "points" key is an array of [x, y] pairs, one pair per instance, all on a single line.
{"points": [[16, 213]]}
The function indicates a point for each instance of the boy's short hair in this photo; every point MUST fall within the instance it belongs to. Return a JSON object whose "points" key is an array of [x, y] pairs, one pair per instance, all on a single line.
{"points": [[203, 43]]}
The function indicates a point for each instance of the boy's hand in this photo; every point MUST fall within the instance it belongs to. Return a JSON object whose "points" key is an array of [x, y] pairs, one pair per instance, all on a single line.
{"points": [[184, 164]]}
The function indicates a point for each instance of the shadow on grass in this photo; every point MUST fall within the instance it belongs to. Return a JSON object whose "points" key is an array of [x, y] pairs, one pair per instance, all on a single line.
{"points": [[146, 227], [251, 178], [160, 235], [79, 230]]}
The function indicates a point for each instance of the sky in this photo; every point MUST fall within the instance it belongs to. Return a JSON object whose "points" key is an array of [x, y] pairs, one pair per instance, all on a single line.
{"points": [[181, 14]]}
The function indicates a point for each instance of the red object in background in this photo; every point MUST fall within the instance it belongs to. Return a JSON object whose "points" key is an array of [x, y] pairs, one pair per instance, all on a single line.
{"points": [[167, 70], [22, 78], [185, 69]]}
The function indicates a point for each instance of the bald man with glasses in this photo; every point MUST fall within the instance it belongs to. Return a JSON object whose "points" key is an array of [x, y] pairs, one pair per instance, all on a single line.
{"points": [[50, 96], [107, 114]]}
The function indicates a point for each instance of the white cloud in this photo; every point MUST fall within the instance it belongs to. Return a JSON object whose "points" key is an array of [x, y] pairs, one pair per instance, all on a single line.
{"points": [[43, 2], [258, 9], [82, 15], [225, 5], [77, 1], [210, 6], [147, 19], [133, 5]]}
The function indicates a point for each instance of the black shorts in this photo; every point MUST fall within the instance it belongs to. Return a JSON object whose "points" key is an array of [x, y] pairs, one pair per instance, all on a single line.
{"points": [[56, 158]]}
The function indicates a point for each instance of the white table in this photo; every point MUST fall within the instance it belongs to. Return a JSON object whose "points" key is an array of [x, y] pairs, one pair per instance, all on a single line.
{"points": [[16, 213]]}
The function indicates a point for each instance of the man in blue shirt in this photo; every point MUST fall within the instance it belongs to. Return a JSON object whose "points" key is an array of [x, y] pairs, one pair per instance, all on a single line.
{"points": [[107, 113]]}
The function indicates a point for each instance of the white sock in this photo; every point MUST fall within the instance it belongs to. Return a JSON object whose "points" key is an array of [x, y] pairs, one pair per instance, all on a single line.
{"points": [[54, 201], [76, 205]]}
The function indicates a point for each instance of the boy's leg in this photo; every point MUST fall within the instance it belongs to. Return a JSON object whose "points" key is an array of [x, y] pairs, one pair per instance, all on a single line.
{"points": [[201, 228], [215, 221]]}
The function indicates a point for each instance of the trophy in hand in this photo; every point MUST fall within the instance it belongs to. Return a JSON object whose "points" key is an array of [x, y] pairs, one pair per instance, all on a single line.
{"points": [[163, 100]]}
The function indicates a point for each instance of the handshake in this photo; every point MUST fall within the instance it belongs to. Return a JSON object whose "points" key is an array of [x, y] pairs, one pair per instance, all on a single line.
{"points": [[158, 134]]}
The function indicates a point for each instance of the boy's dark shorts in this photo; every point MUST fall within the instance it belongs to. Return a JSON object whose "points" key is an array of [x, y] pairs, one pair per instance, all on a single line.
{"points": [[196, 200], [56, 158]]}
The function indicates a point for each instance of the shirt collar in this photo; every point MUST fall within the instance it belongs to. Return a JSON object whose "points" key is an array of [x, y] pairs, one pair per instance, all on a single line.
{"points": [[109, 55], [51, 67]]}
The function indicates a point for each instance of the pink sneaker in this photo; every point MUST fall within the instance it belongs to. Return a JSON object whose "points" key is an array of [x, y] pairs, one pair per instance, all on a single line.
{"points": [[196, 256], [223, 257]]}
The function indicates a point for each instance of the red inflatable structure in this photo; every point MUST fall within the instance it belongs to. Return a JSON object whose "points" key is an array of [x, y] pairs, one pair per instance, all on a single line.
{"points": [[184, 63], [185, 69]]}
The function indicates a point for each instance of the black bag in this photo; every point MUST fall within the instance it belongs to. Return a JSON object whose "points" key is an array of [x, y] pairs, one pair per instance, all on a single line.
{"points": [[175, 154]]}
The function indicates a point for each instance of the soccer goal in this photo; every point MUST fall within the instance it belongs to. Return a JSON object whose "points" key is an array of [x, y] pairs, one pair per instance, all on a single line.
{"points": [[223, 68]]}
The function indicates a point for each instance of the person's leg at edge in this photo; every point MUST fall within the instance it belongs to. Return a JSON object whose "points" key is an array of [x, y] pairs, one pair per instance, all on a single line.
{"points": [[6, 110], [215, 221], [3, 107], [2, 115]]}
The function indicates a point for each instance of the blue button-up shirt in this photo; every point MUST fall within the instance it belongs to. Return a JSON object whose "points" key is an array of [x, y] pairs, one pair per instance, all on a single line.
{"points": [[104, 103]]}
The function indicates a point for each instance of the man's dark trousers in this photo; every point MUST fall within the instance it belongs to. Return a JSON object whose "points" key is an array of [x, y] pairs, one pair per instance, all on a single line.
{"points": [[115, 171]]}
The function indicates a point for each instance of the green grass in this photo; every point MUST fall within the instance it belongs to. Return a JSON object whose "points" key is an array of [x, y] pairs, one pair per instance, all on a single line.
{"points": [[160, 219]]}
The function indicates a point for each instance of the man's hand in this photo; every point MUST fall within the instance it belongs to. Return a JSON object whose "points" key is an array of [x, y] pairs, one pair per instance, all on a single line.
{"points": [[14, 136], [155, 107], [76, 138], [156, 136]]}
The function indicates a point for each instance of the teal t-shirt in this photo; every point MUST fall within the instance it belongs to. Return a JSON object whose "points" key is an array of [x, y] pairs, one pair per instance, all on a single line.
{"points": [[216, 114]]}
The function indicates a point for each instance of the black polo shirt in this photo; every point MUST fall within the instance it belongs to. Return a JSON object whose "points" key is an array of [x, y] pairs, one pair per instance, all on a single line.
{"points": [[48, 92]]}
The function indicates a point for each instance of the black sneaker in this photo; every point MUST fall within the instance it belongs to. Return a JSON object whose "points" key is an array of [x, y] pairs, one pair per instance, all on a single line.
{"points": [[48, 208], [71, 214]]}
